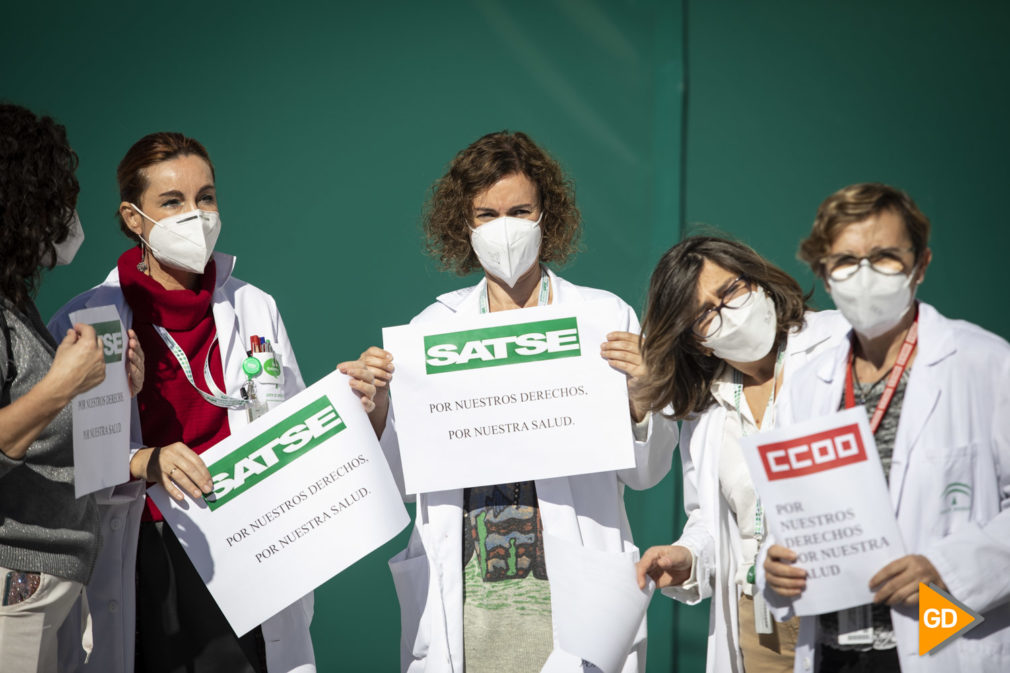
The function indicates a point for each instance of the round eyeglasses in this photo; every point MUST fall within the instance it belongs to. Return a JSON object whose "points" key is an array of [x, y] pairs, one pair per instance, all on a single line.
{"points": [[886, 261], [737, 295]]}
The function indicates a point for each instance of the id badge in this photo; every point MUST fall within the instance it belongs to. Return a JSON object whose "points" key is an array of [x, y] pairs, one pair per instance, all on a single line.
{"points": [[855, 626], [763, 623]]}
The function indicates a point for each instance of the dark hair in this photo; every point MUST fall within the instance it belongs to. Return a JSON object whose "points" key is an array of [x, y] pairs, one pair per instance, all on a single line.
{"points": [[680, 373], [38, 194], [149, 150], [449, 214], [858, 203]]}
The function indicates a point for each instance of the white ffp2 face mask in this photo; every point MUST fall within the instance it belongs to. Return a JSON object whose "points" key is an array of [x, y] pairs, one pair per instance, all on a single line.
{"points": [[871, 301], [67, 250], [747, 333], [507, 246], [185, 241]]}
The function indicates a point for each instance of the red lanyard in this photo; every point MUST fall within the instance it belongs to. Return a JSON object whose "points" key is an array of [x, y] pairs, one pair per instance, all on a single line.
{"points": [[897, 370]]}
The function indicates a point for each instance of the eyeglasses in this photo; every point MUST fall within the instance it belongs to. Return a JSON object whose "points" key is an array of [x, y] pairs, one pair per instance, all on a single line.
{"points": [[737, 295], [886, 261]]}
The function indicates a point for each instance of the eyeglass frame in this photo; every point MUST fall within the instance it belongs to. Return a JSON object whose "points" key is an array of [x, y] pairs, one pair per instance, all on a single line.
{"points": [[716, 310], [823, 261]]}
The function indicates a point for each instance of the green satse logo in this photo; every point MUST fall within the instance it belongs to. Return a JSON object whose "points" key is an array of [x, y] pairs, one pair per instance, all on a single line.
{"points": [[272, 368], [110, 333], [270, 451], [504, 345]]}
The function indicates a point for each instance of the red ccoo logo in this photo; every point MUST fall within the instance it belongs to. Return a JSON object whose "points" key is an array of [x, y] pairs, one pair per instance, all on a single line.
{"points": [[813, 453]]}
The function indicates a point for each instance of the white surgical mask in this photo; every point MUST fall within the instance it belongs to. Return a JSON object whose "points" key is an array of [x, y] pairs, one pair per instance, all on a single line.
{"points": [[185, 241], [871, 301], [67, 250], [507, 246], [747, 333]]}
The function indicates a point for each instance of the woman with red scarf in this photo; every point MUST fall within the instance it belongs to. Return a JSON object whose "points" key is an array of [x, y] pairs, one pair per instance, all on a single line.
{"points": [[194, 321]]}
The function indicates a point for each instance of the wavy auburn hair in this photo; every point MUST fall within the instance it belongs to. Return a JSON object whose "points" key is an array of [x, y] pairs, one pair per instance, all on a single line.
{"points": [[449, 213], [858, 203], [38, 194], [680, 370], [150, 150]]}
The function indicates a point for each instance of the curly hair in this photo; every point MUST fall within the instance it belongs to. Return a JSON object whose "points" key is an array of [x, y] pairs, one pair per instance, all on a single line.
{"points": [[150, 150], [449, 213], [38, 194], [858, 203], [680, 370]]}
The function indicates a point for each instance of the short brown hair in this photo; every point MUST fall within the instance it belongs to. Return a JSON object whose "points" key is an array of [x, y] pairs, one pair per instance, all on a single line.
{"points": [[150, 150], [680, 372], [857, 203], [449, 213]]}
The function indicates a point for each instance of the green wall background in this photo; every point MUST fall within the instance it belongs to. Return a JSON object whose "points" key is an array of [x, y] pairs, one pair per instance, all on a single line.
{"points": [[328, 123]]}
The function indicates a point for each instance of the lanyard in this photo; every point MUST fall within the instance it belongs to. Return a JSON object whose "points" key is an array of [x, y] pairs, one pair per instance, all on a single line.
{"points": [[216, 395], [893, 379], [767, 417], [545, 292]]}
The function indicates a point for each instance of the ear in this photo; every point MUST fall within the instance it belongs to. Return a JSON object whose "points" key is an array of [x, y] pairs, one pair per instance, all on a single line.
{"points": [[927, 257], [134, 220]]}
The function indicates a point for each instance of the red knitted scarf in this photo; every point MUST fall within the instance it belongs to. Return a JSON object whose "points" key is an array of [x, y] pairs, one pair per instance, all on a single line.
{"points": [[170, 409]]}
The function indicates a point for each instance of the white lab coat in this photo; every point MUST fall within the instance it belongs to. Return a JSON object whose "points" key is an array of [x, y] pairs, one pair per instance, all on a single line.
{"points": [[585, 509], [711, 532], [240, 310], [954, 427]]}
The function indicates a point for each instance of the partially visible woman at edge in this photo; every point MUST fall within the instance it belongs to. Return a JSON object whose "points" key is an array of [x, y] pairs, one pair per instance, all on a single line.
{"points": [[178, 293], [724, 330], [937, 394], [504, 193], [48, 537]]}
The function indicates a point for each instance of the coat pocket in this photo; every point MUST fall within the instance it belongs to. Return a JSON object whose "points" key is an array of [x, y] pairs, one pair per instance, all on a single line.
{"points": [[410, 579]]}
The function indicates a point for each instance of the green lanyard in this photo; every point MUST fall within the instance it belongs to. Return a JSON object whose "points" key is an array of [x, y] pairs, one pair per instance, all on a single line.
{"points": [[769, 415], [216, 395], [545, 292]]}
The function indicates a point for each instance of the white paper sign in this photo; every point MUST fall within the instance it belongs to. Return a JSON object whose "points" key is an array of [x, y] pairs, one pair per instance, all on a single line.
{"points": [[596, 602], [508, 396], [300, 494], [824, 494], [102, 414]]}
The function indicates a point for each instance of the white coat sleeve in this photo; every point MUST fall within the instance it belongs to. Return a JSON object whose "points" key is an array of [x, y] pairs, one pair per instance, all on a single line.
{"points": [[974, 560], [654, 453], [391, 450], [697, 535]]}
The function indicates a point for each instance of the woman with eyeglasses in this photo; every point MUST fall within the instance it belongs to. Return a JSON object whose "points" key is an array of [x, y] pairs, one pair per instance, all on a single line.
{"points": [[938, 395], [724, 329]]}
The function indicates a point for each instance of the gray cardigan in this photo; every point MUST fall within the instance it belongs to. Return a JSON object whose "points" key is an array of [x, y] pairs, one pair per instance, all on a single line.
{"points": [[43, 527]]}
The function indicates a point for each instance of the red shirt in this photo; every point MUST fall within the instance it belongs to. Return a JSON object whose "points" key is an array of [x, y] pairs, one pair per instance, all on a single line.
{"points": [[171, 410]]}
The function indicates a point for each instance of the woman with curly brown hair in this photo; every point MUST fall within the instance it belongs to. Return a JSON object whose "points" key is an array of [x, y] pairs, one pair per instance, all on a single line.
{"points": [[724, 330], [48, 537], [506, 207]]}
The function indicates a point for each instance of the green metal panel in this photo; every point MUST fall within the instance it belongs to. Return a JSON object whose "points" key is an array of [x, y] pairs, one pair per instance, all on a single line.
{"points": [[327, 123], [790, 101]]}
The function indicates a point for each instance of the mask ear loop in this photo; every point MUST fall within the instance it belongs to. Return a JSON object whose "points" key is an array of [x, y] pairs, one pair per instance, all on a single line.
{"points": [[142, 266]]}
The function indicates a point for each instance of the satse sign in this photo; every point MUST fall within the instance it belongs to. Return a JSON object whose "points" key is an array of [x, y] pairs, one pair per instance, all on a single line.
{"points": [[503, 345]]}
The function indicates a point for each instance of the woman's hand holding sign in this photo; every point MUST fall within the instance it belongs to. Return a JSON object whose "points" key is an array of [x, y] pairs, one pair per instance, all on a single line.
{"points": [[621, 350], [380, 364]]}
